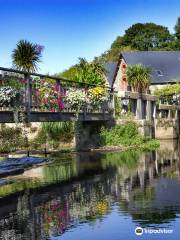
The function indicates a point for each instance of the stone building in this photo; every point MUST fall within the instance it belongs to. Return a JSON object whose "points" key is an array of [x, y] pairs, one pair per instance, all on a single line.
{"points": [[164, 65]]}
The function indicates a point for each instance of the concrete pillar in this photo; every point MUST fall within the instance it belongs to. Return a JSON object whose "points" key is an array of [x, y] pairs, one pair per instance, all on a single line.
{"points": [[139, 111], [177, 122], [169, 113], [176, 115], [154, 114], [148, 110]]}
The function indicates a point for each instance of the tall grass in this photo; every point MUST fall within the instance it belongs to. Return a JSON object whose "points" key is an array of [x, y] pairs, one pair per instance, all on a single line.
{"points": [[60, 131], [54, 134]]}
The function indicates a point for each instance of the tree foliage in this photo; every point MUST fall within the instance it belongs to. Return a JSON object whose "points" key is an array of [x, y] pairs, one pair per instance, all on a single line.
{"points": [[26, 56], [177, 29], [138, 77], [143, 37], [86, 72], [168, 90]]}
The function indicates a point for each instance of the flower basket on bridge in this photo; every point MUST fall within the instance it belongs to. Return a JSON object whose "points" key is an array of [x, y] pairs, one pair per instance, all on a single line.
{"points": [[9, 97], [51, 97], [76, 99], [98, 97]]}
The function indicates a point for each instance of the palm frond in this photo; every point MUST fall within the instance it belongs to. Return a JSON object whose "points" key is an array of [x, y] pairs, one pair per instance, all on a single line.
{"points": [[26, 56]]}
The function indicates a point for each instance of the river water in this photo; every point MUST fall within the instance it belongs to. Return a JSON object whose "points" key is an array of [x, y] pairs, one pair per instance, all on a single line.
{"points": [[95, 196]]}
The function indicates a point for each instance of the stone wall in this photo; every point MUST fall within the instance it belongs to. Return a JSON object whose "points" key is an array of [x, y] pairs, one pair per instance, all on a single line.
{"points": [[166, 128], [31, 128]]}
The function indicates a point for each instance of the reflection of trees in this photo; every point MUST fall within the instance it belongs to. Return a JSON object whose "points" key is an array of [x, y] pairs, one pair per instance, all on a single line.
{"points": [[154, 217], [90, 186], [59, 172], [128, 159], [50, 174]]}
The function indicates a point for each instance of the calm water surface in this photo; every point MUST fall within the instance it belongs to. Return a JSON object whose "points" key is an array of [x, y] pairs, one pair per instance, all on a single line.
{"points": [[95, 196]]}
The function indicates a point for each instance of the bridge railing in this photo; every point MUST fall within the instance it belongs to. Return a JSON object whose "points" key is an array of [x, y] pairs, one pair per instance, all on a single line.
{"points": [[44, 93]]}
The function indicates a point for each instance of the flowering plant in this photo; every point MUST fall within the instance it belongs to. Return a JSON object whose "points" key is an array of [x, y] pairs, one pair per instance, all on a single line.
{"points": [[8, 96], [76, 98], [97, 95], [51, 96]]}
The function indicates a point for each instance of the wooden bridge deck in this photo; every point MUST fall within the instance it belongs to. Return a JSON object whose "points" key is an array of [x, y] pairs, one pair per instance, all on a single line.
{"points": [[8, 116]]}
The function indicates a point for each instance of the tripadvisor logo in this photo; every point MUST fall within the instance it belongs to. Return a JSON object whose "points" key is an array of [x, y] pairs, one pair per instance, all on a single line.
{"points": [[138, 231]]}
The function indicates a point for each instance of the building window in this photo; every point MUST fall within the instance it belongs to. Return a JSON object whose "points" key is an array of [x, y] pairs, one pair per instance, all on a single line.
{"points": [[123, 68]]}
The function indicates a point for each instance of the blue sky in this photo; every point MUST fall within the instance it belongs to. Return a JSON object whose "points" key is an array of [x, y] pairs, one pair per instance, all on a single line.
{"points": [[75, 28]]}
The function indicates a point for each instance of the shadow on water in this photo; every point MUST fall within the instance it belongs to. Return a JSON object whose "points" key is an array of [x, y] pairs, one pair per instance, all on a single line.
{"points": [[74, 191]]}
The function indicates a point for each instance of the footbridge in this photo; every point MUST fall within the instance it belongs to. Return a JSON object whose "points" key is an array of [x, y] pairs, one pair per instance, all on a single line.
{"points": [[44, 98]]}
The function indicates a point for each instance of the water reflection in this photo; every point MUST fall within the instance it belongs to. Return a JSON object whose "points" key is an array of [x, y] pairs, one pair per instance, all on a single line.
{"points": [[73, 191]]}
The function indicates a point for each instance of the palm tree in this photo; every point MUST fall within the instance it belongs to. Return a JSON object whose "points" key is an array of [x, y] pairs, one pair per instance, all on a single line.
{"points": [[139, 77], [26, 56]]}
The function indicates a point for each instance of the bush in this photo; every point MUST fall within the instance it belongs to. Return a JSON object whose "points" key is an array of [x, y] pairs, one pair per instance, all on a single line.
{"points": [[11, 139], [151, 144], [126, 134], [168, 90], [54, 134]]}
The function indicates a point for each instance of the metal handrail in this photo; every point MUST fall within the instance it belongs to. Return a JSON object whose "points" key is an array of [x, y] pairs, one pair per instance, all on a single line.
{"points": [[52, 77]]}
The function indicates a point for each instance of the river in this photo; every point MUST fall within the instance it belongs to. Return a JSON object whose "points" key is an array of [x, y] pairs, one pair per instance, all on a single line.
{"points": [[95, 196]]}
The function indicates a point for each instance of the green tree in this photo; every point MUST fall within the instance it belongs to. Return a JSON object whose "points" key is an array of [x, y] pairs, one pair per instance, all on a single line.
{"points": [[147, 36], [26, 56], [138, 77], [177, 29], [90, 73], [142, 37], [69, 73], [112, 55], [93, 73]]}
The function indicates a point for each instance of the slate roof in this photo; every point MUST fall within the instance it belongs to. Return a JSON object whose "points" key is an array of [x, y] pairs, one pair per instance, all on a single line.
{"points": [[164, 65], [111, 70]]}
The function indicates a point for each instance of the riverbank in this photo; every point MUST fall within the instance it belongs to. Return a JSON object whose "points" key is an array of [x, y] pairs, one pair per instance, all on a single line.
{"points": [[15, 166], [148, 145], [118, 138]]}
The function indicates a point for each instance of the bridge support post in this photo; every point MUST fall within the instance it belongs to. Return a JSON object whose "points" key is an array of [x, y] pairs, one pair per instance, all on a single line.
{"points": [[87, 134], [148, 110], [139, 112], [28, 92]]}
